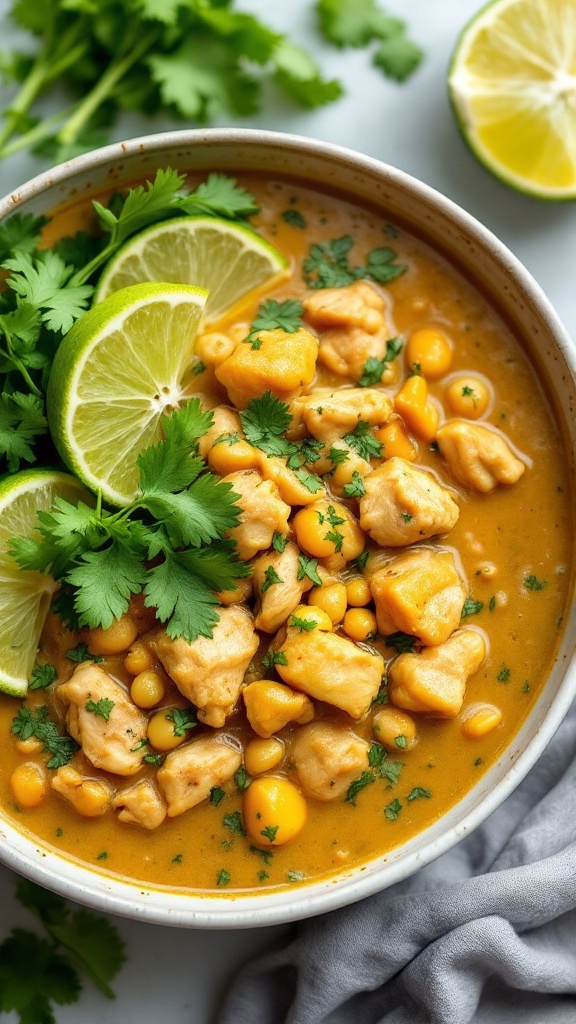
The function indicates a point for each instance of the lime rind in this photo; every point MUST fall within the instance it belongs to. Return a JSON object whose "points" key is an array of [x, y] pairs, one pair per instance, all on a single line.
{"points": [[522, 90], [25, 596], [230, 260], [116, 372]]}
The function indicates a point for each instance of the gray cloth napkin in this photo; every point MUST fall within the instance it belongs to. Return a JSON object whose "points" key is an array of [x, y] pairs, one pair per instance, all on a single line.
{"points": [[485, 934]]}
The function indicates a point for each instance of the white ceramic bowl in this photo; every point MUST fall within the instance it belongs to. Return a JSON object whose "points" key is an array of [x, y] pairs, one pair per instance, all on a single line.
{"points": [[506, 283]]}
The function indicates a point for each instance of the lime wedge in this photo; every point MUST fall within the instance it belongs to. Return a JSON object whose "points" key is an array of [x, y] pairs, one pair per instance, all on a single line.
{"points": [[230, 260], [118, 369], [512, 82], [25, 596]]}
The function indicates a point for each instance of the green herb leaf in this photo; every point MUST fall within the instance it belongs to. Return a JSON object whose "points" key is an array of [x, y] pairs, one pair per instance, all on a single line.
{"points": [[533, 583], [101, 707], [216, 795], [223, 877], [42, 676], [264, 421], [365, 779], [242, 779], [401, 642], [22, 421], [356, 488], [271, 315], [418, 792], [37, 723], [294, 218], [270, 832], [271, 578], [376, 755], [303, 625], [362, 440], [471, 607], [374, 368], [233, 821], [182, 719], [279, 542], [393, 810], [504, 674], [81, 653], [308, 567], [274, 658]]}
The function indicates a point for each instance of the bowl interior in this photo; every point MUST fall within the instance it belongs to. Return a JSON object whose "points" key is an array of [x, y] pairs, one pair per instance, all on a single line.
{"points": [[508, 286]]}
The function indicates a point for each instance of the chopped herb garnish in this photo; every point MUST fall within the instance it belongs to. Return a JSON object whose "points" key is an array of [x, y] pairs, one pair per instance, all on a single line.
{"points": [[242, 779], [376, 755], [223, 877], [359, 784], [328, 266], [393, 810], [362, 440], [266, 855], [101, 707], [402, 643], [391, 770], [270, 832], [233, 821], [294, 218], [279, 542], [356, 488], [418, 792], [400, 741], [42, 676], [102, 856], [81, 653], [198, 367], [526, 687], [382, 695], [336, 538], [471, 607], [304, 625], [265, 421], [407, 517], [271, 577], [308, 567], [216, 795], [295, 876], [182, 719], [310, 481], [274, 658], [361, 559], [374, 368], [503, 675], [492, 603], [478, 762], [177, 859], [154, 759], [533, 583], [36, 723], [338, 455], [287, 316]]}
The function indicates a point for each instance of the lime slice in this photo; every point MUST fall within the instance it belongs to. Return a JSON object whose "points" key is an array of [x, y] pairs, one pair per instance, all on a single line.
{"points": [[512, 82], [229, 260], [116, 372], [25, 596]]}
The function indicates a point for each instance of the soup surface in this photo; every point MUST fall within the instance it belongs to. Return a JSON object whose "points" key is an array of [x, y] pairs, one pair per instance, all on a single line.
{"points": [[411, 563]]}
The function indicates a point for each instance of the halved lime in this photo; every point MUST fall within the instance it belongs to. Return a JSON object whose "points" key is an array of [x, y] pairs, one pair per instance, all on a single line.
{"points": [[229, 260], [117, 370], [25, 596], [512, 82]]}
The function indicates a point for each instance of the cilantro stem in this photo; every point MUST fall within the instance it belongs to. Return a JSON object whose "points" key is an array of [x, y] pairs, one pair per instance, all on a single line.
{"points": [[103, 89], [9, 354], [40, 131]]}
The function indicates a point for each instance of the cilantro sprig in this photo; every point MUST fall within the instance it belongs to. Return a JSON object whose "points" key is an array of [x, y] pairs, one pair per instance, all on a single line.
{"points": [[176, 523], [328, 264]]}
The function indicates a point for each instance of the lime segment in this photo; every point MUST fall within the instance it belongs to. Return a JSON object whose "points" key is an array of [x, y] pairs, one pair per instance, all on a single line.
{"points": [[512, 83], [117, 371], [25, 596], [229, 260]]}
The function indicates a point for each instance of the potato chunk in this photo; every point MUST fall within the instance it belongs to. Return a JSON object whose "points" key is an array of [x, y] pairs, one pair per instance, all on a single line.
{"points": [[403, 504], [419, 592], [478, 457], [434, 681], [190, 772], [263, 512], [328, 415], [277, 599], [140, 804], [330, 668], [103, 720], [282, 363], [270, 706], [327, 758], [210, 672]]}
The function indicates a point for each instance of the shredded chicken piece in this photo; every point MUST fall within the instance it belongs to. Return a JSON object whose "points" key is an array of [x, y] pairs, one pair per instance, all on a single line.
{"points": [[403, 504], [329, 415], [277, 599], [210, 672], [420, 592], [140, 804], [327, 758], [331, 668], [110, 743], [434, 680], [263, 512], [477, 457], [191, 771]]}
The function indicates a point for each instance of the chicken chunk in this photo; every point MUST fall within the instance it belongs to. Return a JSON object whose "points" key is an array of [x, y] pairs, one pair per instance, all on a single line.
{"points": [[277, 586], [477, 457], [329, 415], [434, 680], [224, 421], [276, 361], [103, 720], [333, 669], [347, 352], [420, 592], [356, 305], [327, 758], [289, 485], [209, 672], [263, 513], [403, 504], [89, 797], [270, 706], [140, 804], [190, 772]]}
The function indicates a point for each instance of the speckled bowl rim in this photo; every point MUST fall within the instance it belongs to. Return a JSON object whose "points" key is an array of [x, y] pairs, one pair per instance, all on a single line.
{"points": [[492, 266]]}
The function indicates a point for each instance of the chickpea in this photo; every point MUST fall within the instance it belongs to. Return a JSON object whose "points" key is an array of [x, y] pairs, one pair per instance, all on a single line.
{"points": [[28, 784], [30, 746], [430, 349], [480, 720], [468, 396], [148, 688], [358, 592], [274, 811], [394, 729], [360, 623], [91, 798], [263, 755], [213, 348], [313, 523], [226, 458], [394, 437], [311, 613], [161, 731], [330, 599], [114, 640], [139, 659]]}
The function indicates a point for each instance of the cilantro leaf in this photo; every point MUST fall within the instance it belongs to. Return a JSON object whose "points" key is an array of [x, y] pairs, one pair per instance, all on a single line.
{"points": [[203, 78], [104, 581], [101, 707], [271, 578], [234, 823], [328, 266], [418, 792], [221, 196], [242, 779], [356, 488], [20, 232], [81, 653], [22, 421], [182, 599], [47, 283], [533, 583], [279, 542], [381, 265], [182, 719], [355, 787], [401, 642], [294, 218], [32, 975], [143, 205], [299, 76], [285, 315], [308, 567], [42, 676], [355, 22], [374, 368], [274, 658], [216, 795], [37, 723], [398, 57], [264, 422], [363, 441], [471, 607], [303, 625], [393, 809]]}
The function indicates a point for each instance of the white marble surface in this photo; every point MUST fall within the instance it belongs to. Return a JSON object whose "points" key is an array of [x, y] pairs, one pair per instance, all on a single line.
{"points": [[179, 976]]}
